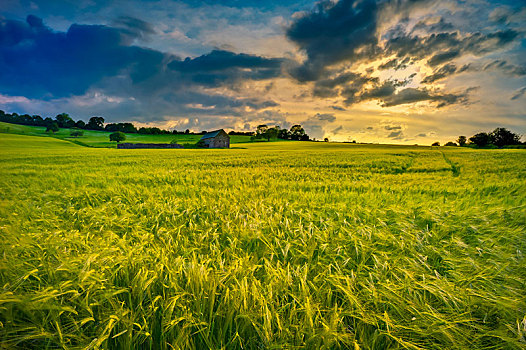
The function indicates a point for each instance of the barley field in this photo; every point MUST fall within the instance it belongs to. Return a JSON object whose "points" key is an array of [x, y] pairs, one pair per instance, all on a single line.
{"points": [[286, 245]]}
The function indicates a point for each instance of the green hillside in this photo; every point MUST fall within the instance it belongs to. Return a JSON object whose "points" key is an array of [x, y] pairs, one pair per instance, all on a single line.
{"points": [[93, 138]]}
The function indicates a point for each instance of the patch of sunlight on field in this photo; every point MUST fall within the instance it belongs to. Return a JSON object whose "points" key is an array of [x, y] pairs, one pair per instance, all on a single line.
{"points": [[272, 245]]}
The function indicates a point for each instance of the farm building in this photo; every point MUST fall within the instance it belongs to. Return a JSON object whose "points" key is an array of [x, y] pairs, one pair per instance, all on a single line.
{"points": [[215, 139]]}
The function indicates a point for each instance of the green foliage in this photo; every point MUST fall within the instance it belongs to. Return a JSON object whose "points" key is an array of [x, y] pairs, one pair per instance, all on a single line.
{"points": [[53, 127], [449, 144], [117, 136], [499, 137], [277, 245], [462, 141], [122, 127], [481, 139], [76, 132], [502, 137], [64, 121], [93, 138], [95, 123], [436, 144]]}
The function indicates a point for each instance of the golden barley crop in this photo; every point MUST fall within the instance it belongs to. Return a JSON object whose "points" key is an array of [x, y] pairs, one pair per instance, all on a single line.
{"points": [[272, 245]]}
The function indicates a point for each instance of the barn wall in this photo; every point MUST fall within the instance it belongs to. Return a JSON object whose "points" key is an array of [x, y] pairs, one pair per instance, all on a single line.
{"points": [[220, 141]]}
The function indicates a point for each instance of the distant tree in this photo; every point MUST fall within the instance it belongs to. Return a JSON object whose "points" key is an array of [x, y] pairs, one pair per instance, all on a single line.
{"points": [[261, 131], [297, 132], [64, 121], [436, 144], [95, 123], [48, 121], [326, 140], [118, 136], [76, 132], [80, 124], [187, 131], [37, 120], [271, 133], [503, 137], [203, 132], [450, 144], [283, 134], [462, 141], [53, 127], [123, 127], [481, 139]]}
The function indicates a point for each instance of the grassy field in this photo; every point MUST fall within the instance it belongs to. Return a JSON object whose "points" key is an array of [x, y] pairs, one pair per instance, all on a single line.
{"points": [[274, 246], [92, 138]]}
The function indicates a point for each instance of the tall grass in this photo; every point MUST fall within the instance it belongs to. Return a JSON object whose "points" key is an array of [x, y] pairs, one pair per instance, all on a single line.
{"points": [[284, 245]]}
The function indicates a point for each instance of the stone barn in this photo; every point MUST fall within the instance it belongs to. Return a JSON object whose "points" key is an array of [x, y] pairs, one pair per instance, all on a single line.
{"points": [[215, 139]]}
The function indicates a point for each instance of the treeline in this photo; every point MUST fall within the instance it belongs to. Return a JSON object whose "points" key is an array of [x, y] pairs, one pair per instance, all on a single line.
{"points": [[63, 120], [296, 132], [500, 137]]}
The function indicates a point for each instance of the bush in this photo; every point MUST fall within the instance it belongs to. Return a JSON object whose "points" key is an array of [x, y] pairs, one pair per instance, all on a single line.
{"points": [[53, 127], [76, 132], [503, 137], [481, 139], [436, 144], [451, 144], [118, 136]]}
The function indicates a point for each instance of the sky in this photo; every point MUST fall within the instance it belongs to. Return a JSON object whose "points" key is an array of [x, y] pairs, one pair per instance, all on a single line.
{"points": [[387, 71]]}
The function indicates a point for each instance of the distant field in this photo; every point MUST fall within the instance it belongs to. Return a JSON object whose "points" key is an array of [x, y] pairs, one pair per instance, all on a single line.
{"points": [[269, 246], [102, 138]]}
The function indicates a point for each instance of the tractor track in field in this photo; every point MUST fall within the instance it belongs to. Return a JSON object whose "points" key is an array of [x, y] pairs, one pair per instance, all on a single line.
{"points": [[455, 168]]}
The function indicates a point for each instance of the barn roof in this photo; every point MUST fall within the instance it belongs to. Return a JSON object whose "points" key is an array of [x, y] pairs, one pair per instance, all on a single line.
{"points": [[211, 134]]}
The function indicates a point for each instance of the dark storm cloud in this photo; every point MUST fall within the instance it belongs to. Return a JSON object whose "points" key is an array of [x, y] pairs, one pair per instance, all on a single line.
{"points": [[347, 84], [397, 135], [37, 62], [441, 73], [413, 95], [136, 28], [337, 130], [507, 68], [331, 33], [346, 31], [440, 58], [396, 64], [443, 47], [325, 117], [519, 93], [450, 69], [381, 91], [428, 26], [220, 66], [374, 90]]}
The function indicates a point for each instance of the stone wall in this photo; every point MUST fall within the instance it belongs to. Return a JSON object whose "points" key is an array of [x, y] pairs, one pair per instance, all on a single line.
{"points": [[147, 145]]}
